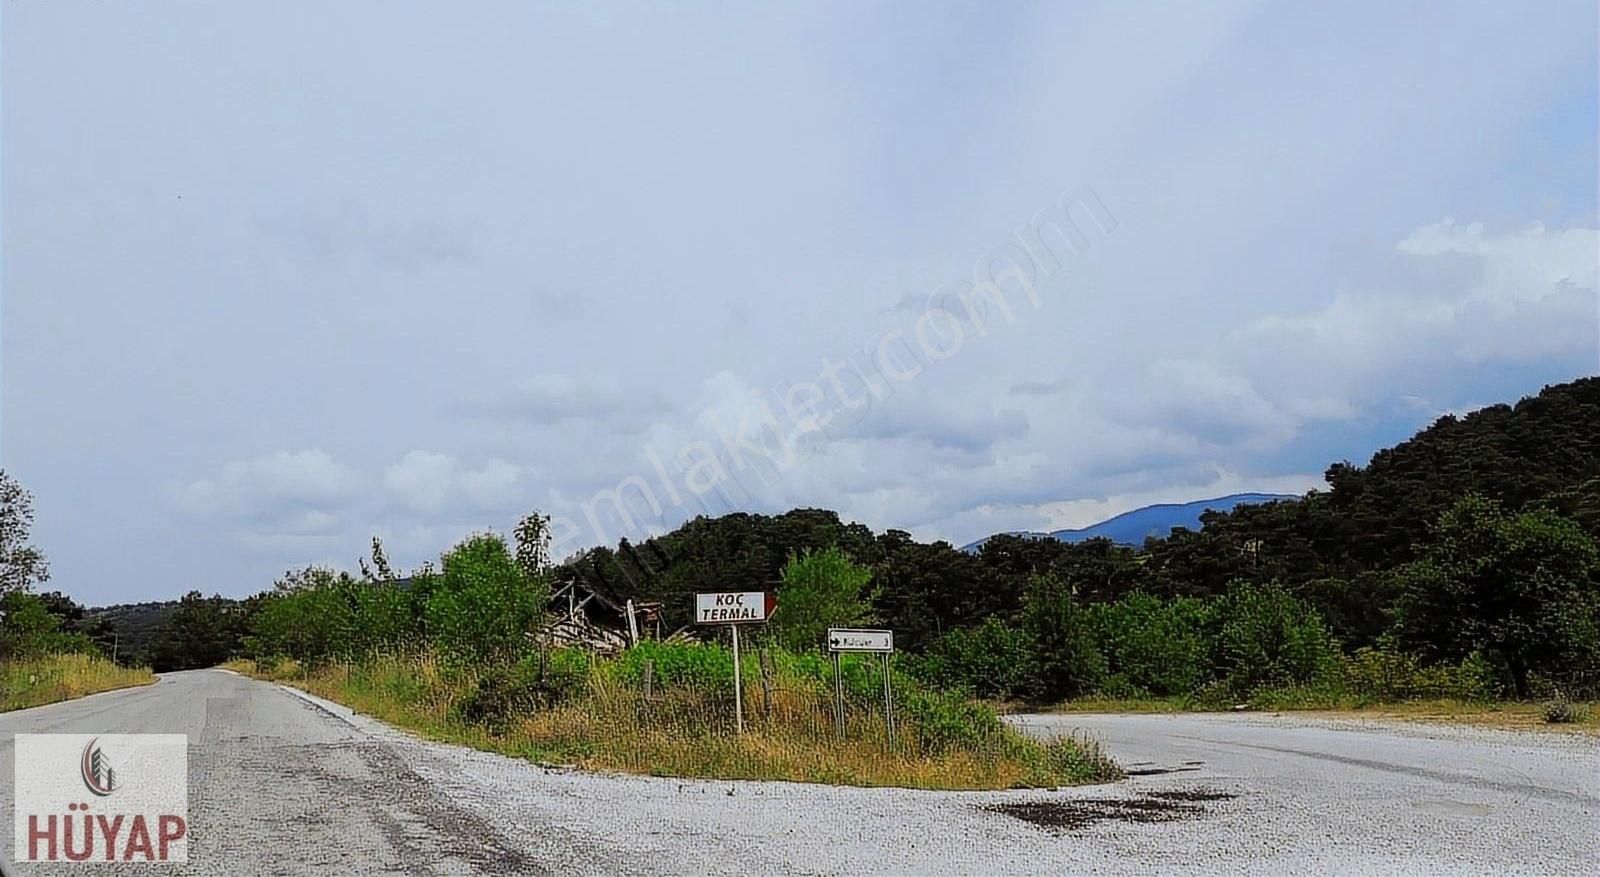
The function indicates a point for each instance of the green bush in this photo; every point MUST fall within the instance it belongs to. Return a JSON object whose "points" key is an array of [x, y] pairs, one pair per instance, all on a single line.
{"points": [[701, 666], [990, 660], [482, 605], [29, 630], [946, 722], [1269, 639], [1067, 661], [1153, 647], [502, 693], [1383, 674], [1565, 712]]}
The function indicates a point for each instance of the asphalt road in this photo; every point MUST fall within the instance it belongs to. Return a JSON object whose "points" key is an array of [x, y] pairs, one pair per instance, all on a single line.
{"points": [[1367, 796], [282, 784]]}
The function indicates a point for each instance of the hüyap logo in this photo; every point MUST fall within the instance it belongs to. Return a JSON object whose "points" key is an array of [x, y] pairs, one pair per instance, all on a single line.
{"points": [[98, 774]]}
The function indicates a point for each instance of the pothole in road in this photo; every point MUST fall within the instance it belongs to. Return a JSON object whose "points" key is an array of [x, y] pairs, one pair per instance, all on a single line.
{"points": [[1157, 806], [1157, 771], [1150, 768]]}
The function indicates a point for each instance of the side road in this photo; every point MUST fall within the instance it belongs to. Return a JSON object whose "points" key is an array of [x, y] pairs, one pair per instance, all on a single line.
{"points": [[282, 783]]}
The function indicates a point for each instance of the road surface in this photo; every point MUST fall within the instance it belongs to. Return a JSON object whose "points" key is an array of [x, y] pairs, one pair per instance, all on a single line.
{"points": [[284, 784]]}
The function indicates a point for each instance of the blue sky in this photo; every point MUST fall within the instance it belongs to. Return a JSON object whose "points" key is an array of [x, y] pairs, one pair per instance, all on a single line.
{"points": [[277, 280]]}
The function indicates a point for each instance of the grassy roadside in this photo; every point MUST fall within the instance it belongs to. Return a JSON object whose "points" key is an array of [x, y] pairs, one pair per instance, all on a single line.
{"points": [[1508, 715], [39, 681], [604, 722]]}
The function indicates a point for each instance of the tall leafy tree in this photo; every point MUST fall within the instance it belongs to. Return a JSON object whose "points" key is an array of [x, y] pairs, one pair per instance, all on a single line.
{"points": [[21, 564], [201, 632], [1523, 588], [483, 605], [821, 589], [1067, 661]]}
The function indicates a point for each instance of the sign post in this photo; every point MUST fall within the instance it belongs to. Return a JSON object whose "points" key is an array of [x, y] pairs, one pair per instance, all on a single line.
{"points": [[838, 695], [878, 642], [734, 609], [738, 686]]}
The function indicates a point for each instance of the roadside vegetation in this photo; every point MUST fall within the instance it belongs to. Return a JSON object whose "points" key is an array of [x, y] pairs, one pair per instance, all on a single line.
{"points": [[1460, 567], [596, 713], [450, 656], [29, 682], [49, 650]]}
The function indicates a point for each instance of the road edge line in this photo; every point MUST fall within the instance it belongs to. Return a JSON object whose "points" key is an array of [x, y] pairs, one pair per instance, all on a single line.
{"points": [[338, 711]]}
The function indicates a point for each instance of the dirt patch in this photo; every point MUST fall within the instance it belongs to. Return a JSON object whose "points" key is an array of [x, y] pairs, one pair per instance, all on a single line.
{"points": [[1073, 814]]}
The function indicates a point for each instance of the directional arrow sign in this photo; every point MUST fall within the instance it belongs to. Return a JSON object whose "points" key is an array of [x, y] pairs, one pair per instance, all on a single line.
{"points": [[849, 639]]}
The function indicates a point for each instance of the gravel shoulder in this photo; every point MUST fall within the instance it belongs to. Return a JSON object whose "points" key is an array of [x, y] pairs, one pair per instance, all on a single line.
{"points": [[286, 783]]}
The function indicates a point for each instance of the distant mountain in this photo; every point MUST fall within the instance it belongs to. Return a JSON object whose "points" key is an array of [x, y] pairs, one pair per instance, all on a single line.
{"points": [[1131, 528]]}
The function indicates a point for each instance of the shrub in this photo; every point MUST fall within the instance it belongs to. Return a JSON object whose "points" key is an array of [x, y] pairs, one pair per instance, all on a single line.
{"points": [[700, 666], [820, 589], [502, 693], [990, 660], [1564, 712], [482, 605], [28, 629], [1153, 647], [945, 722], [1267, 638], [1067, 661]]}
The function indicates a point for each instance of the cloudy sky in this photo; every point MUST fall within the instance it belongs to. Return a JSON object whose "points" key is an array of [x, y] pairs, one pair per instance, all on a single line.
{"points": [[279, 279]]}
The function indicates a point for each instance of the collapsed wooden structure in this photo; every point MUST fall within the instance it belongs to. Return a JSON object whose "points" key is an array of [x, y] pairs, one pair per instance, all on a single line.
{"points": [[584, 617]]}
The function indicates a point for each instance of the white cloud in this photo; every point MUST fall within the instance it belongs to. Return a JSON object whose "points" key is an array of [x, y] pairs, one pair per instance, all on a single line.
{"points": [[422, 481], [431, 484], [524, 311], [285, 479], [1525, 294]]}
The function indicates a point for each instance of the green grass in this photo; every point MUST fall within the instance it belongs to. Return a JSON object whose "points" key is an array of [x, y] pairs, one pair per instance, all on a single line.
{"points": [[596, 716], [38, 681], [1512, 715], [1124, 705]]}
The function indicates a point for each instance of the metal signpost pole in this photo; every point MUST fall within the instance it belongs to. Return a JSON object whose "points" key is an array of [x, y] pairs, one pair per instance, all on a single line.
{"points": [[734, 609], [838, 695], [738, 685], [888, 701], [877, 642]]}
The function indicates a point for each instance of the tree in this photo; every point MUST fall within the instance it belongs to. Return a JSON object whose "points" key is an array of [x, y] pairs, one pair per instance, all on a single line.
{"points": [[379, 569], [1267, 637], [990, 660], [820, 589], [482, 605], [1067, 661], [201, 632], [1524, 589], [29, 629], [533, 545], [21, 564], [1153, 646]]}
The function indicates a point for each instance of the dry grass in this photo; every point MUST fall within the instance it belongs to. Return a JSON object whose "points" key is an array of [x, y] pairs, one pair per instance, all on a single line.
{"points": [[1510, 715], [38, 681], [610, 726], [1515, 716], [1117, 705]]}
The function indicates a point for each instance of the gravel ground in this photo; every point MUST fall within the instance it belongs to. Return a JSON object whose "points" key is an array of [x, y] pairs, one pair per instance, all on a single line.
{"points": [[284, 784]]}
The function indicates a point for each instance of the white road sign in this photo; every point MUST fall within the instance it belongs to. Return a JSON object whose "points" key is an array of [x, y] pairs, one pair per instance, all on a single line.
{"points": [[847, 639], [738, 608]]}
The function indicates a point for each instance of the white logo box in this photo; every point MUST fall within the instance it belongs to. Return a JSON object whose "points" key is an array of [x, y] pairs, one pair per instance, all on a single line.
{"points": [[70, 789]]}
